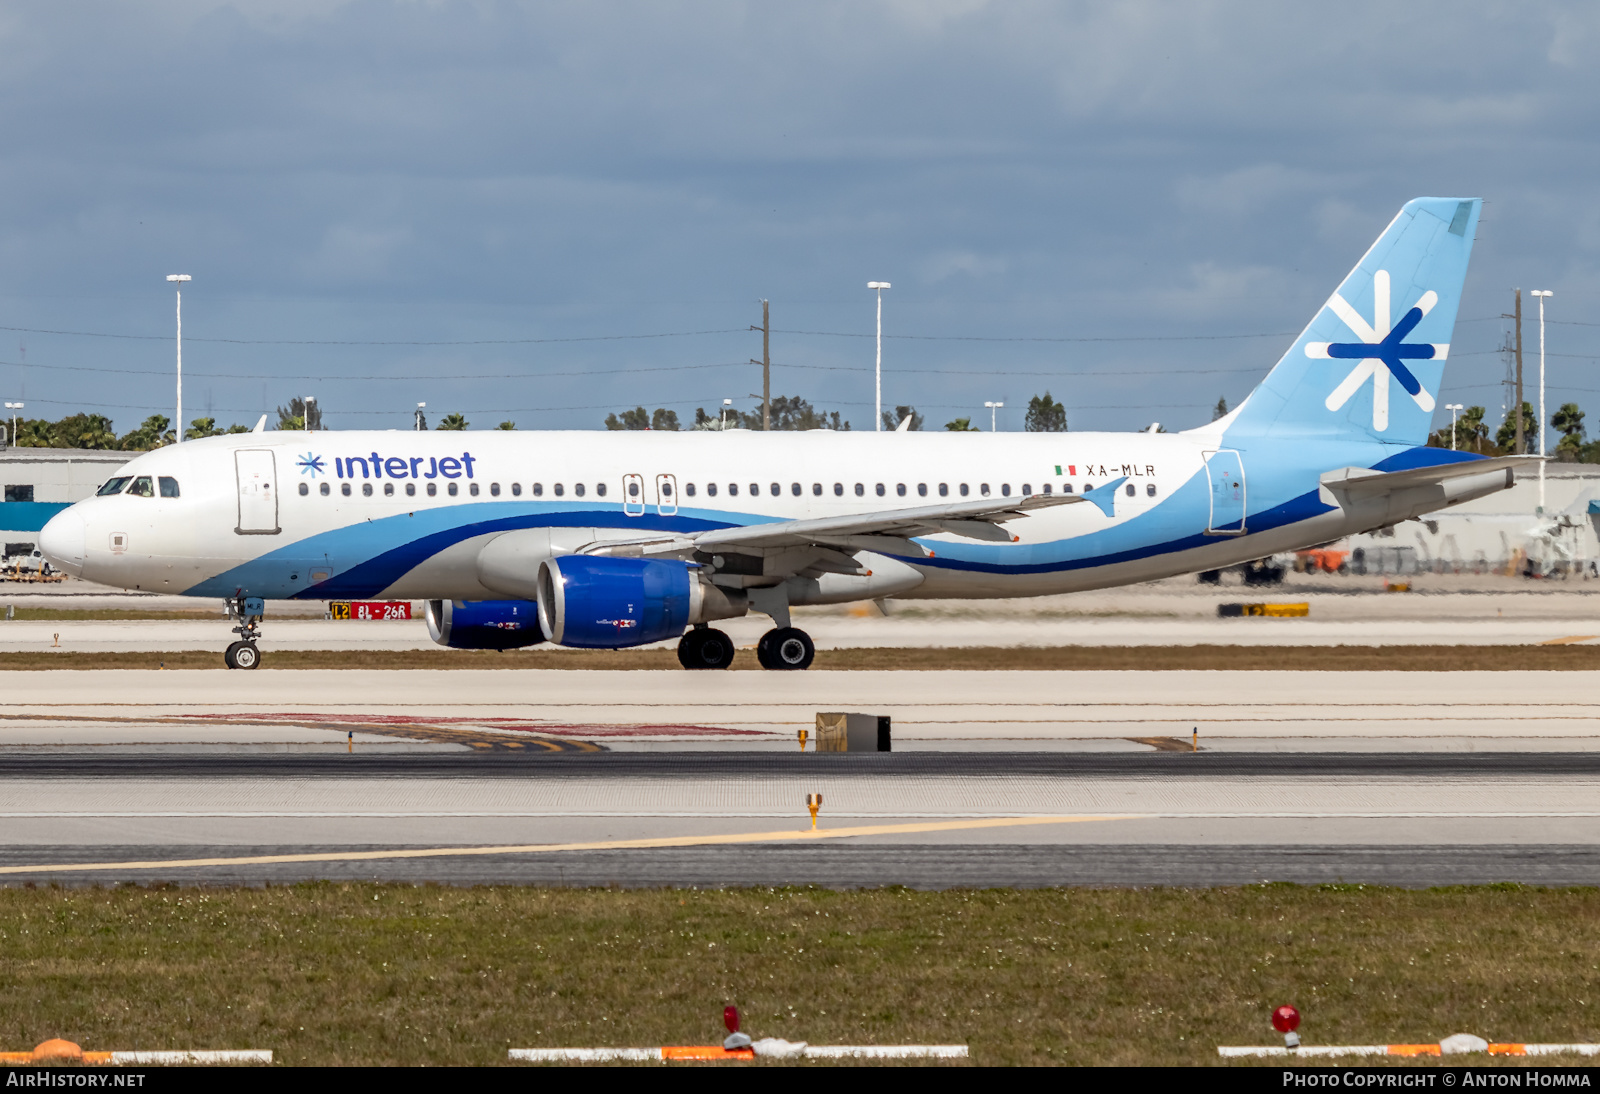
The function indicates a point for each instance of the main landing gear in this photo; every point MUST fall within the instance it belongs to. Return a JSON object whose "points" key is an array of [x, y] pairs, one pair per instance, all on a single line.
{"points": [[705, 648], [244, 654], [785, 648]]}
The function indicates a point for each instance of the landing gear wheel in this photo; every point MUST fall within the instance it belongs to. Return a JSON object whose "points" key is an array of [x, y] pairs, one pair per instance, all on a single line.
{"points": [[785, 648], [706, 648], [242, 655]]}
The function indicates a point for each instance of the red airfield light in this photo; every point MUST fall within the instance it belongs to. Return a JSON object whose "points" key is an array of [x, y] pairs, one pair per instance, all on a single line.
{"points": [[730, 1018], [1286, 1020]]}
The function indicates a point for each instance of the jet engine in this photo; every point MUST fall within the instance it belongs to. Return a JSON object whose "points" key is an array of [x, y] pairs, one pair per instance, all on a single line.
{"points": [[604, 602], [484, 624]]}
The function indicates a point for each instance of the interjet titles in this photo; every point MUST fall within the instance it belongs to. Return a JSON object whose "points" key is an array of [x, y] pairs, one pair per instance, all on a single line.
{"points": [[402, 467]]}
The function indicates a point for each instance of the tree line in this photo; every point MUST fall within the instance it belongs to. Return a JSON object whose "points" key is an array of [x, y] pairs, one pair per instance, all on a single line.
{"points": [[791, 412], [1471, 434]]}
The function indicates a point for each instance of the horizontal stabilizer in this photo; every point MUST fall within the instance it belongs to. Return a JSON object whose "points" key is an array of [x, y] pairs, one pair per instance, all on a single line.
{"points": [[1364, 482]]}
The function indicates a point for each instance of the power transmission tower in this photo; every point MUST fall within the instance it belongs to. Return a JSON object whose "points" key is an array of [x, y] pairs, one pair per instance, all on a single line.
{"points": [[766, 366]]}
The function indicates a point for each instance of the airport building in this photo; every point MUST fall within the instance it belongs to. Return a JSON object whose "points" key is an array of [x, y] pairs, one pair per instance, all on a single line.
{"points": [[40, 482]]}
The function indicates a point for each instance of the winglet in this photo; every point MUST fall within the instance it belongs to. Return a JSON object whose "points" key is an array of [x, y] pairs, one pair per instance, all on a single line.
{"points": [[261, 426], [1105, 495]]}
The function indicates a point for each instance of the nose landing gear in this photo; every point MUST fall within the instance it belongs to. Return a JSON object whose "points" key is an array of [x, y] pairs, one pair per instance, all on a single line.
{"points": [[249, 611]]}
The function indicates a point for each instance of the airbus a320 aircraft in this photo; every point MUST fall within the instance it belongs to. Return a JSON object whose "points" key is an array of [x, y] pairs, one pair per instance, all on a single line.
{"points": [[608, 540]]}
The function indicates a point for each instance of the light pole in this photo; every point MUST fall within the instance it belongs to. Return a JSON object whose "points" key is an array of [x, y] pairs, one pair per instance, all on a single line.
{"points": [[992, 408], [177, 432], [722, 415], [422, 423], [1542, 294], [13, 407], [877, 387], [1452, 408], [305, 409]]}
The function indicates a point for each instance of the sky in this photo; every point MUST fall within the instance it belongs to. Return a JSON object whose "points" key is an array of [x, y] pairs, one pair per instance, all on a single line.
{"points": [[543, 212]]}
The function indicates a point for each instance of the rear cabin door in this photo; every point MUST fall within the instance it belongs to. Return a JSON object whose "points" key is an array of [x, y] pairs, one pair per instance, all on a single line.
{"points": [[1226, 474], [633, 495], [258, 492], [667, 495]]}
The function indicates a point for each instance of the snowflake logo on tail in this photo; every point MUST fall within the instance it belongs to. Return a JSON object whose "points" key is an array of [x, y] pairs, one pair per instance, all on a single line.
{"points": [[1382, 351]]}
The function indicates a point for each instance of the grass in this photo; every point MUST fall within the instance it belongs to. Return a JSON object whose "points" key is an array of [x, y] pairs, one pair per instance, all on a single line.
{"points": [[385, 974], [1082, 658]]}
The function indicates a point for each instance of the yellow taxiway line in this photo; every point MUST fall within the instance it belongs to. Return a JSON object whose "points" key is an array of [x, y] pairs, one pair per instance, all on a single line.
{"points": [[788, 835]]}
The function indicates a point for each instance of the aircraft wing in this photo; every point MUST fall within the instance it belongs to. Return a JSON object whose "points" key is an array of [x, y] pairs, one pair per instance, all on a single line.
{"points": [[1363, 482], [889, 530]]}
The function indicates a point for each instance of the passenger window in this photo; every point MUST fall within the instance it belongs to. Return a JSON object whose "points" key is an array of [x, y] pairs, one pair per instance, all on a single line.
{"points": [[711, 489], [838, 489], [633, 490], [922, 489], [142, 487], [366, 490], [516, 490], [1005, 489], [860, 490], [983, 488], [453, 489], [1150, 489], [494, 489], [755, 489], [776, 489], [577, 488], [472, 488], [816, 490], [944, 490], [304, 489], [1026, 489], [880, 490], [794, 488], [388, 489], [536, 489], [344, 488], [411, 489], [1046, 488], [688, 488], [560, 490], [1066, 488], [900, 489], [964, 490], [323, 490], [733, 490], [433, 489], [112, 486], [1130, 490], [169, 487]]}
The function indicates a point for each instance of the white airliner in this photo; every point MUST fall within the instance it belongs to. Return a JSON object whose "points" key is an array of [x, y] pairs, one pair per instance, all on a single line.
{"points": [[607, 540]]}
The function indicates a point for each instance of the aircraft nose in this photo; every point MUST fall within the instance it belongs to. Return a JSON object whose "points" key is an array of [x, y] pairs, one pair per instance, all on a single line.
{"points": [[62, 541]]}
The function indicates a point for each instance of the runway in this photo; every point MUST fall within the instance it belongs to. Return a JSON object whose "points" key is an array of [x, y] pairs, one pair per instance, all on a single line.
{"points": [[933, 819]]}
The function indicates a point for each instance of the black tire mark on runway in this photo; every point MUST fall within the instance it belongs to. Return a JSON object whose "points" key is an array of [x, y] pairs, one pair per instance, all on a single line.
{"points": [[732, 765], [872, 866]]}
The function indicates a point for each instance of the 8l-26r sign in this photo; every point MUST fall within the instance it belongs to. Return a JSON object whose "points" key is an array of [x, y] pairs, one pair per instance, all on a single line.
{"points": [[371, 609]]}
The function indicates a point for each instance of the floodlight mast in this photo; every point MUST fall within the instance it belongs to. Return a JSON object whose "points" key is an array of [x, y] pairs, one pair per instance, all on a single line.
{"points": [[1452, 408], [992, 407], [877, 387], [1543, 295], [177, 431]]}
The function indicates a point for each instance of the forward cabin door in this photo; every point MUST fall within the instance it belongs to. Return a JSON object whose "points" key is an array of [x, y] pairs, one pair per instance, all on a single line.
{"points": [[667, 495], [258, 492], [1226, 473]]}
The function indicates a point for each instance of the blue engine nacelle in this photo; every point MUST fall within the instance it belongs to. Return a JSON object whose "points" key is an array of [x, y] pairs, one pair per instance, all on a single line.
{"points": [[600, 602], [484, 624]]}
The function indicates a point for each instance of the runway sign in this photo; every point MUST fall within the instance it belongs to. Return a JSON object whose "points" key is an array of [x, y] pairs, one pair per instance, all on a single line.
{"points": [[1281, 611], [370, 609]]}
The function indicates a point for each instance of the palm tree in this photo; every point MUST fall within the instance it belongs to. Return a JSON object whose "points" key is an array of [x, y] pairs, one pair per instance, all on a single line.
{"points": [[453, 422]]}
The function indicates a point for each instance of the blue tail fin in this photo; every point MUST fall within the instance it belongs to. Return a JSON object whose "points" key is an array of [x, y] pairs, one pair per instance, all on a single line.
{"points": [[1369, 364]]}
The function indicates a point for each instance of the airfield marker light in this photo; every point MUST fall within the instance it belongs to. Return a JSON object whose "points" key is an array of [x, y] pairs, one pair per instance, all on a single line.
{"points": [[814, 803], [803, 736], [1196, 739], [56, 640], [1286, 1020], [351, 741]]}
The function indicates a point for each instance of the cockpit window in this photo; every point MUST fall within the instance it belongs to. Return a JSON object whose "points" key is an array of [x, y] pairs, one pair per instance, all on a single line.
{"points": [[112, 486], [142, 487], [169, 487]]}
